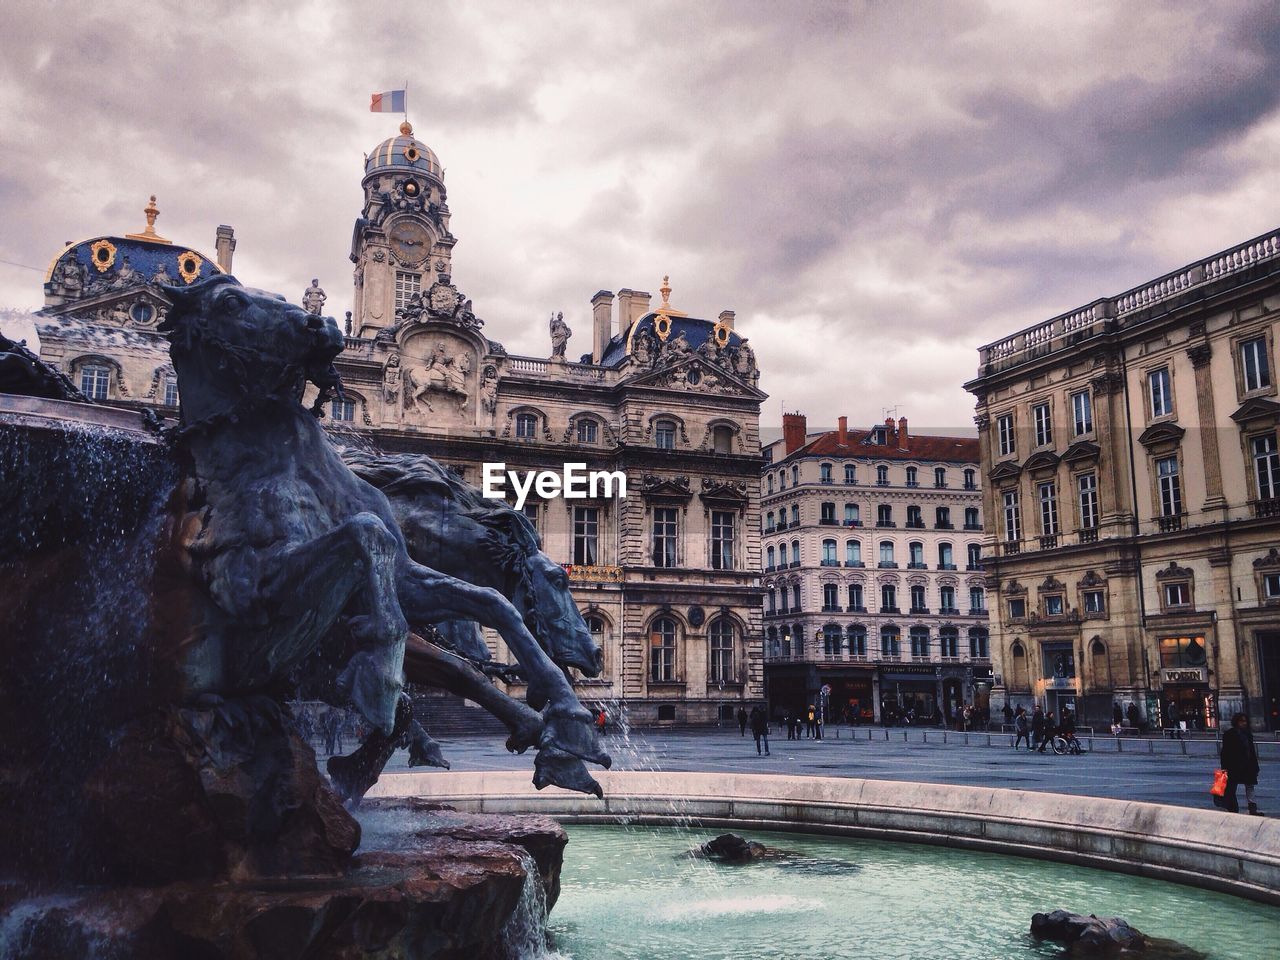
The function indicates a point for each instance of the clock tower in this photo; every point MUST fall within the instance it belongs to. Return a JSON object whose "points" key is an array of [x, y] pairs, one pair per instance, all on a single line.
{"points": [[401, 244]]}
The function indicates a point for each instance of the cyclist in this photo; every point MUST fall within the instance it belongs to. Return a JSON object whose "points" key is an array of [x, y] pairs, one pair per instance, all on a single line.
{"points": [[1067, 733]]}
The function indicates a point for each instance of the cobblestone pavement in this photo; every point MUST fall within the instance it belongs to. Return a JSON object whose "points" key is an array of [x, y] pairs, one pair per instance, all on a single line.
{"points": [[1155, 770]]}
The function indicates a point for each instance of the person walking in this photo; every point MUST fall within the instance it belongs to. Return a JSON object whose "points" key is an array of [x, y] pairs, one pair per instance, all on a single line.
{"points": [[1037, 728], [1135, 718], [742, 722], [1022, 729], [1008, 714], [760, 730], [1048, 726], [1240, 760], [1174, 719], [811, 722]]}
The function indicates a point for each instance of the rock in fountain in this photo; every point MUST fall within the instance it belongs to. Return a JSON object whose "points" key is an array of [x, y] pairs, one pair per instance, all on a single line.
{"points": [[166, 593], [1090, 936]]}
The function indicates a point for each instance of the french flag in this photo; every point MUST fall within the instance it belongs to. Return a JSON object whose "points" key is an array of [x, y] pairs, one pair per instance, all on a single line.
{"points": [[389, 101]]}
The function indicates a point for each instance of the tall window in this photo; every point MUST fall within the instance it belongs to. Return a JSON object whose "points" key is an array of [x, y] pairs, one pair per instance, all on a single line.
{"points": [[526, 426], [170, 392], [795, 475], [830, 596], [1266, 465], [888, 598], [886, 553], [1254, 364], [890, 642], [1048, 495], [782, 554], [1043, 424], [855, 597], [95, 380], [856, 636], [664, 536], [722, 439], [771, 556], [722, 539], [1012, 517], [915, 554], [824, 472], [795, 552], [971, 521], [884, 515], [942, 518], [1082, 413], [975, 556], [917, 598], [344, 410], [407, 284], [530, 511], [970, 479], [1004, 434], [795, 600], [1170, 486], [722, 635], [1161, 397], [939, 476], [914, 519], [827, 513], [946, 559], [795, 516], [913, 479], [586, 535], [770, 482], [852, 553], [664, 435], [882, 476], [588, 431], [773, 601], [949, 642], [947, 599], [662, 650], [850, 473], [919, 643], [782, 480], [1087, 485], [829, 558], [977, 599], [850, 514], [979, 647], [831, 640]]}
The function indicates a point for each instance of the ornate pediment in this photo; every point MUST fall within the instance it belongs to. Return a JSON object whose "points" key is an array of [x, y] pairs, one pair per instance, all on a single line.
{"points": [[1042, 461], [1012, 588], [1173, 571], [670, 488], [441, 302], [1081, 452], [1004, 471], [692, 374], [1052, 583], [1257, 410], [139, 307], [732, 492], [1272, 559], [1091, 579], [1161, 435]]}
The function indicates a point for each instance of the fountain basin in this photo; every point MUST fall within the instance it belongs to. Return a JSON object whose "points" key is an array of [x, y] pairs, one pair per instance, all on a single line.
{"points": [[1203, 848]]}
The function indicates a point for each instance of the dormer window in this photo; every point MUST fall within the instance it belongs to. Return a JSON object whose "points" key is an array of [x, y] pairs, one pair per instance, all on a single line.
{"points": [[343, 411], [588, 431], [95, 381], [170, 392], [664, 435], [526, 426]]}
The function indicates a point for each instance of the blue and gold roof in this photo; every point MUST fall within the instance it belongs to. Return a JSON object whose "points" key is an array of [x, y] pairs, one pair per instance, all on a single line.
{"points": [[404, 153], [667, 323]]}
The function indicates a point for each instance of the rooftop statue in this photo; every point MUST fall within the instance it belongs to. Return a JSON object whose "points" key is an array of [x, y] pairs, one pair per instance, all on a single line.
{"points": [[313, 298], [560, 334]]}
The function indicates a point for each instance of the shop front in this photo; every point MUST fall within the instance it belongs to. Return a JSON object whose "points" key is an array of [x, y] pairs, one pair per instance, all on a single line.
{"points": [[1059, 685], [909, 693], [788, 689], [852, 697], [1185, 695]]}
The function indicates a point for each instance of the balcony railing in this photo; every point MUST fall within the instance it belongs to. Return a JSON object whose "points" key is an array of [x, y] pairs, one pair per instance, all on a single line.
{"points": [[946, 566], [1089, 535], [830, 563], [833, 609], [854, 563], [973, 526], [1170, 524], [1011, 547], [885, 523], [973, 566], [944, 525], [915, 524], [918, 610], [1049, 541], [1264, 509], [917, 566], [949, 611], [887, 565], [889, 610], [828, 522], [853, 523], [977, 611]]}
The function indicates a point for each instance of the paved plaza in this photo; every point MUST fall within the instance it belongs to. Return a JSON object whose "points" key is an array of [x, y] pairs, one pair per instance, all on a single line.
{"points": [[1164, 775]]}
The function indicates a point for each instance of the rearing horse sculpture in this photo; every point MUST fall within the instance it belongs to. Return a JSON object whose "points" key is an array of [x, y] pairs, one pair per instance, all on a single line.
{"points": [[287, 543]]}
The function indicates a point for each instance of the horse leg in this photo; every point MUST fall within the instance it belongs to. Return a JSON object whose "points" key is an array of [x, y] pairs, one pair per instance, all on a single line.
{"points": [[433, 666], [352, 776], [429, 596]]}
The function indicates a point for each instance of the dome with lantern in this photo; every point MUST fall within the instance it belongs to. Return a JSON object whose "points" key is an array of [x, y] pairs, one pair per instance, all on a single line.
{"points": [[403, 153]]}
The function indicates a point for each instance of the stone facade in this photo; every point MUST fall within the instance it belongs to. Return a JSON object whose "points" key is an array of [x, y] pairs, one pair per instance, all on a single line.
{"points": [[667, 577], [1129, 448], [873, 573]]}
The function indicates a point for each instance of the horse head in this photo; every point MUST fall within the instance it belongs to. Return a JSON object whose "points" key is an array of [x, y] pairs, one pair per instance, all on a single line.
{"points": [[230, 344], [552, 616]]}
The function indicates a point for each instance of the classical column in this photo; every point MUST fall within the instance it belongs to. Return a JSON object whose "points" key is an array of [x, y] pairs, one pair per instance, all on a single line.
{"points": [[1200, 355], [1109, 425]]}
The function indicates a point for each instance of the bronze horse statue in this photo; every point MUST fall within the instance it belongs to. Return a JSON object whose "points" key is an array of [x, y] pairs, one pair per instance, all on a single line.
{"points": [[287, 544]]}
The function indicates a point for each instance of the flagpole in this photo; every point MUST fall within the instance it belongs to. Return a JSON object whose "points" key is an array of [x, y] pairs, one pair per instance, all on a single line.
{"points": [[406, 101]]}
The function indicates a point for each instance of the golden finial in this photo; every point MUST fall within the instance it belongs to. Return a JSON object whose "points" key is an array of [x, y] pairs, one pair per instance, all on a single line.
{"points": [[666, 309], [406, 129], [150, 211]]}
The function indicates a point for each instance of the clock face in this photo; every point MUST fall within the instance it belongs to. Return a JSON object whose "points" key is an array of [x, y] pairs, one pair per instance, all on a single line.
{"points": [[410, 241]]}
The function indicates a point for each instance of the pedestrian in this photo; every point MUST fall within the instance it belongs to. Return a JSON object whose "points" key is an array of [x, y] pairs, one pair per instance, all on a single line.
{"points": [[760, 730], [1117, 715], [1037, 728], [1240, 760], [1008, 714], [1022, 728], [966, 717], [811, 722], [1047, 728], [1135, 718], [1174, 719], [602, 721], [742, 722]]}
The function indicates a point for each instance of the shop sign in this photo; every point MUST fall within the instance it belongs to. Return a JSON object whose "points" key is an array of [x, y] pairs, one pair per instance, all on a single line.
{"points": [[1184, 675], [1060, 683], [907, 670]]}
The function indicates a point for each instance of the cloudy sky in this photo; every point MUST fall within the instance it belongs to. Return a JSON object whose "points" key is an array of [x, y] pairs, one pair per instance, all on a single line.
{"points": [[875, 188]]}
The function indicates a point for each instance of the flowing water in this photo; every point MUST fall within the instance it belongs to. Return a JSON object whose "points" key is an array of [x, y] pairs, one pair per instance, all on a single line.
{"points": [[633, 893]]}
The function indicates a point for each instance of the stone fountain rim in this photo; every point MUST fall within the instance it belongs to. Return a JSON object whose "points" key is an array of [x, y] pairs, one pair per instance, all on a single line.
{"points": [[42, 413], [1210, 849]]}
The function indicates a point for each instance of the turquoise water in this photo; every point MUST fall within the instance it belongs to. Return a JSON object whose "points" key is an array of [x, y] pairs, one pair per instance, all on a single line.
{"points": [[628, 892]]}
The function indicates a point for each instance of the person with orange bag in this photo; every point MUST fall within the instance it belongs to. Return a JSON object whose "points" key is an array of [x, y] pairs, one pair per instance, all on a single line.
{"points": [[1240, 760]]}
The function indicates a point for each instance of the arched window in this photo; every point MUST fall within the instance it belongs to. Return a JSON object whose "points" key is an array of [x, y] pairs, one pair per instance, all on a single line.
{"points": [[939, 476], [975, 556], [857, 639], [797, 638], [946, 560], [831, 640], [850, 473], [795, 551], [829, 558], [919, 643], [342, 410], [918, 599], [588, 430], [915, 555], [795, 598], [830, 597], [852, 553], [970, 479], [855, 597], [782, 553], [824, 472], [888, 598], [769, 481], [662, 650], [890, 641], [599, 632], [772, 638], [95, 380], [795, 515], [949, 642], [977, 601], [1019, 657], [979, 647], [1101, 666], [787, 648], [886, 553], [882, 476], [526, 425], [722, 439], [795, 475], [664, 434], [913, 479], [769, 554], [773, 600], [722, 636], [782, 480]]}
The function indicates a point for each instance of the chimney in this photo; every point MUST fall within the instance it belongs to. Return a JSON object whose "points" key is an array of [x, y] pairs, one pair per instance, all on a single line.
{"points": [[726, 318], [890, 429], [225, 246], [902, 434], [639, 306], [624, 308], [794, 430], [602, 323], [842, 434]]}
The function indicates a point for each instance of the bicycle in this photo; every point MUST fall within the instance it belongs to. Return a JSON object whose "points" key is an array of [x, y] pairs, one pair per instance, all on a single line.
{"points": [[1063, 745]]}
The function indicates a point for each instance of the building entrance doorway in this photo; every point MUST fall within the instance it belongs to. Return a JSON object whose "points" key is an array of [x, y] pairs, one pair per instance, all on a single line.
{"points": [[1189, 703]]}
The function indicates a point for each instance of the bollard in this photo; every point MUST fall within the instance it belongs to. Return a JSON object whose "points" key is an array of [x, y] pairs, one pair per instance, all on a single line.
{"points": [[1151, 746]]}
